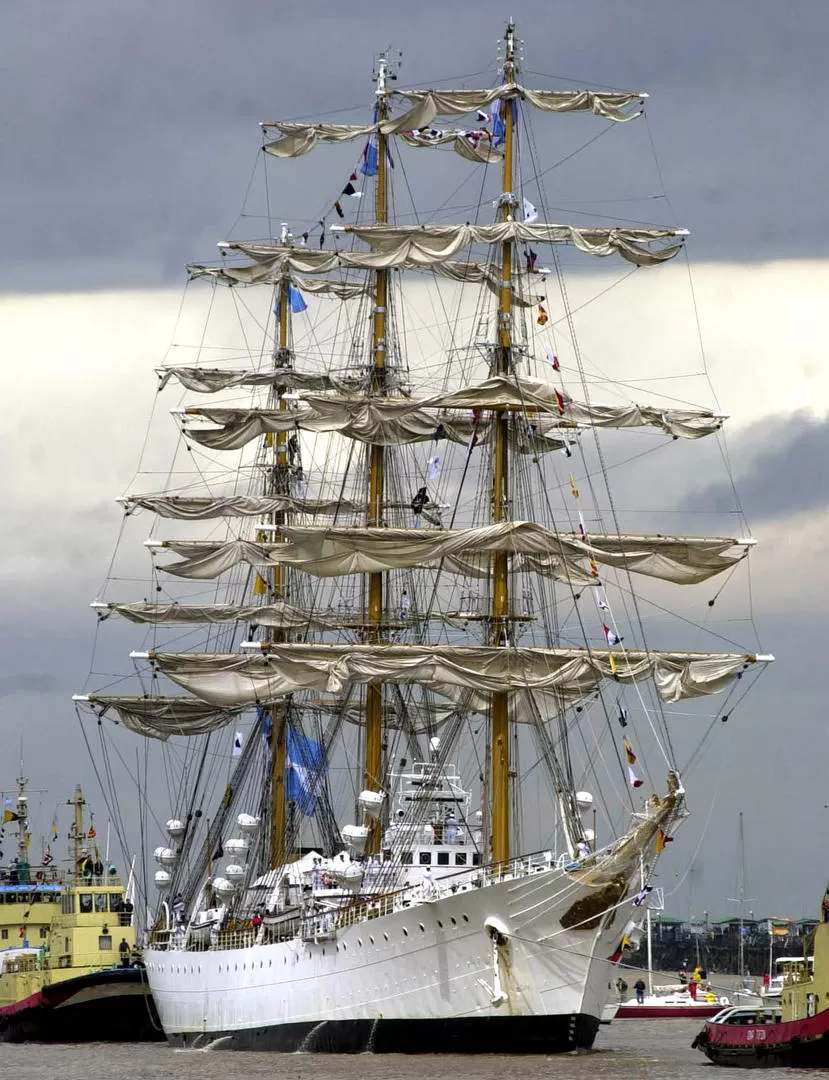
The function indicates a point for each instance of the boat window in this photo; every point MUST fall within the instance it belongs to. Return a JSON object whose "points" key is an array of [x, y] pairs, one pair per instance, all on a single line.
{"points": [[425, 858], [105, 942], [44, 932], [476, 858], [68, 904], [86, 903], [4, 934], [407, 858], [116, 901], [443, 858], [460, 858], [100, 901]]}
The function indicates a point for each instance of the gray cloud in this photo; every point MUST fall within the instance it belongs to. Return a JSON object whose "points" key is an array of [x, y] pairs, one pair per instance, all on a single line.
{"points": [[130, 142], [780, 465]]}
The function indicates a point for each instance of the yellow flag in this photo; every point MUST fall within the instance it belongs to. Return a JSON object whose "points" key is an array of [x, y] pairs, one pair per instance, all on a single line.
{"points": [[660, 842], [625, 942], [612, 660], [260, 587], [573, 488]]}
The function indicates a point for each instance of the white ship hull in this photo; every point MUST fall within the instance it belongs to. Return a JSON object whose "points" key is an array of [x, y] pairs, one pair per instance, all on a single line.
{"points": [[421, 979]]}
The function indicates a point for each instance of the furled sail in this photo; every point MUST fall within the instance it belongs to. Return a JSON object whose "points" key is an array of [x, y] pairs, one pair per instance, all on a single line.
{"points": [[211, 380], [473, 145], [270, 272], [299, 139], [201, 508], [161, 717], [326, 552], [608, 104], [231, 680], [276, 615], [431, 245], [406, 420]]}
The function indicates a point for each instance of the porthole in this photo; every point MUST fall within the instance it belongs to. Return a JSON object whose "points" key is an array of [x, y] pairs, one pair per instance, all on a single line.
{"points": [[405, 932], [386, 937], [270, 963], [422, 928], [371, 939], [440, 924], [344, 946], [453, 921], [360, 942], [220, 969], [466, 918]]}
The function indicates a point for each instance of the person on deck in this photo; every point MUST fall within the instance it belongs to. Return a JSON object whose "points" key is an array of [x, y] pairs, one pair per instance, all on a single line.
{"points": [[124, 952], [451, 828], [639, 987], [692, 988]]}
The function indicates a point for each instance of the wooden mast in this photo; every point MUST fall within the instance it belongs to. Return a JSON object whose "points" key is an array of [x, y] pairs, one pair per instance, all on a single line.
{"points": [[374, 692], [279, 724], [499, 711]]}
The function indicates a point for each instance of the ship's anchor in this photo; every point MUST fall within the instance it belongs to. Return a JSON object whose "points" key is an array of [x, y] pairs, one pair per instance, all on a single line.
{"points": [[499, 935]]}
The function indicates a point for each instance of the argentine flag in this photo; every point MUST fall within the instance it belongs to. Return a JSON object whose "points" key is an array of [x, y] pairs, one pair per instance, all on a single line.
{"points": [[305, 770]]}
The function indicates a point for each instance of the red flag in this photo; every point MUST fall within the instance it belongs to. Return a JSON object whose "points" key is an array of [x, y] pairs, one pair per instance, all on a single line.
{"points": [[611, 640], [543, 317], [559, 401], [339, 209], [634, 779]]}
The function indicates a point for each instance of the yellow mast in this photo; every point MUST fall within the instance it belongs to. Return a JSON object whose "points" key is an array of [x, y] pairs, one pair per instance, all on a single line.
{"points": [[279, 724], [77, 835], [374, 693], [499, 712]]}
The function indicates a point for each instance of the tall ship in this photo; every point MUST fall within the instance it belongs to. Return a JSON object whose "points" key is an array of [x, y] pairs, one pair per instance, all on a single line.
{"points": [[394, 656], [69, 970]]}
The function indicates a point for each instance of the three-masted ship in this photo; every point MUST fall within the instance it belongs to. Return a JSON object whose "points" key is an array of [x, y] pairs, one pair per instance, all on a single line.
{"points": [[401, 575]]}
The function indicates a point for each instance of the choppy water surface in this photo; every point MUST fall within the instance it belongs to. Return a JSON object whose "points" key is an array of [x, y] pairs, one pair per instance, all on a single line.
{"points": [[626, 1050]]}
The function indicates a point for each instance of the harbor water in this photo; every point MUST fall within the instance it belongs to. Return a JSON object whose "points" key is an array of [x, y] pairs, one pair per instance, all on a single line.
{"points": [[627, 1050]]}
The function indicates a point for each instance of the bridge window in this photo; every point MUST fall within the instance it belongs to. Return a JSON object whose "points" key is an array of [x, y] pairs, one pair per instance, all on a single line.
{"points": [[425, 858], [443, 858], [460, 858], [105, 942]]}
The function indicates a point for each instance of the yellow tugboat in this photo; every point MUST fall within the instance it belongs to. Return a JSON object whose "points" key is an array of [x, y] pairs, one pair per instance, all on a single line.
{"points": [[69, 968]]}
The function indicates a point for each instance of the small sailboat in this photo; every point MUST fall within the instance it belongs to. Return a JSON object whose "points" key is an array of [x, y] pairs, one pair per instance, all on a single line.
{"points": [[389, 563]]}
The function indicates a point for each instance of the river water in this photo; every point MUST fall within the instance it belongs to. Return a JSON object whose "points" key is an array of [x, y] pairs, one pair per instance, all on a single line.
{"points": [[627, 1050]]}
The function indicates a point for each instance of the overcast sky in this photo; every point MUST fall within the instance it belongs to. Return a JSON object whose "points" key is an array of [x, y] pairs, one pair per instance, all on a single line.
{"points": [[129, 139]]}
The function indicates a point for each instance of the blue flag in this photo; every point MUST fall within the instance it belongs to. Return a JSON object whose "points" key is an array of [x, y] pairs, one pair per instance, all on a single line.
{"points": [[296, 299], [306, 766]]}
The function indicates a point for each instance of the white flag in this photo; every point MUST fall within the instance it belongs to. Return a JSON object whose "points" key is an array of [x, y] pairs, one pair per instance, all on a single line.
{"points": [[238, 743], [530, 212], [433, 468]]}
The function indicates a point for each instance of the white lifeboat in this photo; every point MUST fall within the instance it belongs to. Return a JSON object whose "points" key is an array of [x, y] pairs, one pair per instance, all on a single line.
{"points": [[162, 880], [235, 873], [356, 837], [247, 823], [164, 855], [371, 802], [223, 887], [584, 801], [237, 847], [175, 828]]}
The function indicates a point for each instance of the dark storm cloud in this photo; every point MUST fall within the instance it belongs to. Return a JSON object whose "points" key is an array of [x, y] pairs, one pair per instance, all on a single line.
{"points": [[130, 130], [780, 463], [27, 683]]}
